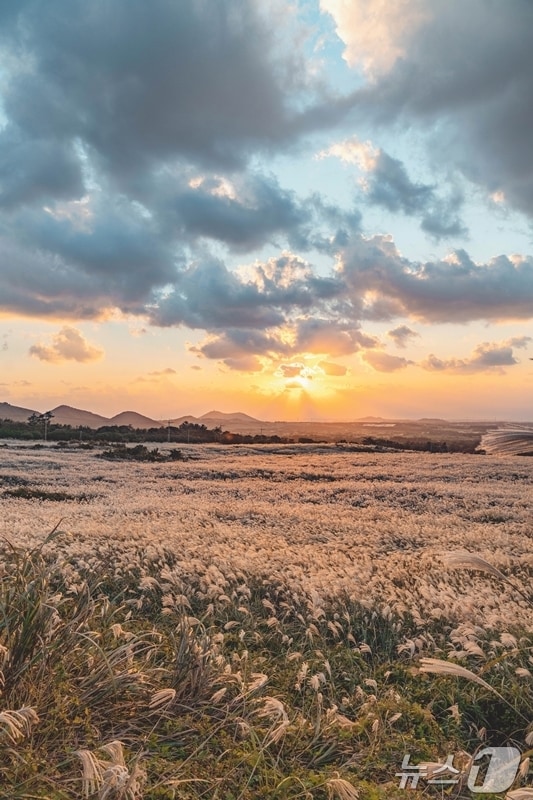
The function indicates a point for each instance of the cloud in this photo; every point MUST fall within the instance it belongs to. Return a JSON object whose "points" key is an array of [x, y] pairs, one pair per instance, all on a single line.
{"points": [[458, 72], [401, 335], [67, 345], [383, 362], [291, 370], [133, 170], [454, 289], [208, 295], [487, 357], [244, 364], [126, 138], [353, 151], [330, 335], [35, 169], [238, 344], [388, 185], [115, 243], [280, 308], [81, 259], [119, 79], [375, 32], [333, 370], [162, 372], [292, 385], [244, 213], [36, 283]]}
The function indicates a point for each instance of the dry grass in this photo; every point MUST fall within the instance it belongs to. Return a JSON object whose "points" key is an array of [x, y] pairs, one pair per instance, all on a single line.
{"points": [[245, 623]]}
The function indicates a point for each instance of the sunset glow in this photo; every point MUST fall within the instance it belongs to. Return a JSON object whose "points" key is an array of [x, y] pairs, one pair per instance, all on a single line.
{"points": [[289, 210]]}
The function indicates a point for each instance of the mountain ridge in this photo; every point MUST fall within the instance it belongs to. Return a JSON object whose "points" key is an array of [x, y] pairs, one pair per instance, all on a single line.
{"points": [[78, 417], [236, 421]]}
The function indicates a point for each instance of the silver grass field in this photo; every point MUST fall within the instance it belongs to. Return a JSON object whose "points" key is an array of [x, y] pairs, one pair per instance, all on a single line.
{"points": [[268, 621]]}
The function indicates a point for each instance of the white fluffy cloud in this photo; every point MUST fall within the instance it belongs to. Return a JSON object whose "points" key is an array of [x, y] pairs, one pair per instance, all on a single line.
{"points": [[375, 32]]}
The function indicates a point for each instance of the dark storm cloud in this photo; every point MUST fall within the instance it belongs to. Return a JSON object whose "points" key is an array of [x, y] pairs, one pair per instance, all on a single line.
{"points": [[465, 73]]}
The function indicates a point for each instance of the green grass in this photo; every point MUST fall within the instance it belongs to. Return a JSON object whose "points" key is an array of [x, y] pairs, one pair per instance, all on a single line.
{"points": [[253, 695]]}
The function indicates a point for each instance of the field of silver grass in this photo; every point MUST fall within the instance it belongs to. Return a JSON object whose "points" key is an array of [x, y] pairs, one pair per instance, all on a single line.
{"points": [[247, 622]]}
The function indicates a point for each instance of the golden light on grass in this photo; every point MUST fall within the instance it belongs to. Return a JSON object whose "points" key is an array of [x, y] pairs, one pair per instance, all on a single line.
{"points": [[273, 603], [436, 666]]}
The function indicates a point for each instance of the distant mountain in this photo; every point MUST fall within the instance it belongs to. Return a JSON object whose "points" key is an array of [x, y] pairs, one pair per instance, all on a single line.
{"points": [[177, 421], [135, 420], [15, 413], [236, 421], [236, 416], [66, 415]]}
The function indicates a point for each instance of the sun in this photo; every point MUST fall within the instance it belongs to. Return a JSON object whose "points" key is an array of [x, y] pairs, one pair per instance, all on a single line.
{"points": [[304, 382]]}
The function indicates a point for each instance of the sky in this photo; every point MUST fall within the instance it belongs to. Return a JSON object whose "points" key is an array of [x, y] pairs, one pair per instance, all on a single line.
{"points": [[309, 209]]}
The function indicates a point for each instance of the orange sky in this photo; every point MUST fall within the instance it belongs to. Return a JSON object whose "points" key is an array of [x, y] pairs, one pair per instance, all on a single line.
{"points": [[293, 211]]}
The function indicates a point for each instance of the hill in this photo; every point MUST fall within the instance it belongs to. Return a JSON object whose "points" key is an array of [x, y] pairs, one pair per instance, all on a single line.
{"points": [[177, 421], [76, 417], [235, 416], [135, 420], [15, 413]]}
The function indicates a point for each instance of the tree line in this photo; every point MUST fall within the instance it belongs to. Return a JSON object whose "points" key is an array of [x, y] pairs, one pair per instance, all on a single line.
{"points": [[41, 427]]}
